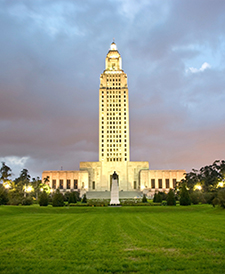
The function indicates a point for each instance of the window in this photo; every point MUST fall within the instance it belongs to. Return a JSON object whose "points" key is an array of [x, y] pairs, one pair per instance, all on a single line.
{"points": [[75, 184], [93, 185], [54, 184], [153, 183], [68, 184], [61, 184], [167, 183], [160, 183], [174, 183], [135, 185]]}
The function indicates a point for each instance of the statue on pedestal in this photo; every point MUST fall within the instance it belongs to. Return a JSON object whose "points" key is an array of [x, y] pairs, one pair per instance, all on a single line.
{"points": [[115, 190]]}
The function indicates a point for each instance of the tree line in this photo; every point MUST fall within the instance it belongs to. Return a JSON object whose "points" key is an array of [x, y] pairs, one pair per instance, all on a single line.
{"points": [[206, 185], [26, 191]]}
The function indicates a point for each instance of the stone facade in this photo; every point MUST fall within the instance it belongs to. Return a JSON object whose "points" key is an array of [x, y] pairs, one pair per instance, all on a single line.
{"points": [[114, 145]]}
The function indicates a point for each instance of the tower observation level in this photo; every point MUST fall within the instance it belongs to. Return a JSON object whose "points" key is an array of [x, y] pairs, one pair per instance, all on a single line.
{"points": [[113, 110]]}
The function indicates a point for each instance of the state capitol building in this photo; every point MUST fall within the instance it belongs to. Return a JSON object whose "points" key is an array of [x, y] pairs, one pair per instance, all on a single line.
{"points": [[95, 178]]}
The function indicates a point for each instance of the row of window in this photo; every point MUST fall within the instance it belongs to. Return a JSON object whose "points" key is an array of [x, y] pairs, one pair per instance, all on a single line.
{"points": [[69, 184], [114, 92], [160, 184], [114, 127], [114, 149], [115, 159], [113, 105], [113, 84], [113, 79], [113, 140], [114, 111]]}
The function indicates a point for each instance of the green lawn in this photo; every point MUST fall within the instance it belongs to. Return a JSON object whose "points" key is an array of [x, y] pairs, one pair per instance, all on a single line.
{"points": [[112, 240]]}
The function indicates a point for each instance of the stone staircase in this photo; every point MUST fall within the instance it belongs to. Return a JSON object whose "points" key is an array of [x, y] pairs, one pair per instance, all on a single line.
{"points": [[107, 194]]}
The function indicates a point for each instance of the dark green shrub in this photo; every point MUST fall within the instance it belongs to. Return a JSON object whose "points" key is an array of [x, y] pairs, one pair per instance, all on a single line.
{"points": [[66, 196], [84, 200], [15, 198], [208, 197], [3, 196], [43, 200], [171, 201], [221, 197], [27, 201], [157, 198], [196, 197], [163, 195], [57, 199], [72, 197], [144, 199], [184, 196]]}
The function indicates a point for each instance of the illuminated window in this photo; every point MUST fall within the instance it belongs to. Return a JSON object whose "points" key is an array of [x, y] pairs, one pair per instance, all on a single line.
{"points": [[160, 183], [167, 183], [54, 184], [153, 183], [68, 184]]}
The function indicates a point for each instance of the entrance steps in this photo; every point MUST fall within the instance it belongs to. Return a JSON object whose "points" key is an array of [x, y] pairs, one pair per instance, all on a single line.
{"points": [[107, 194]]}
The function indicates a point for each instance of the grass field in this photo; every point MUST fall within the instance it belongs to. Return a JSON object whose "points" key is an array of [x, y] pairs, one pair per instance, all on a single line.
{"points": [[112, 240]]}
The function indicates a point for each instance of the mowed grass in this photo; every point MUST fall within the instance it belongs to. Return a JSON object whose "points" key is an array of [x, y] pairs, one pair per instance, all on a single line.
{"points": [[112, 240]]}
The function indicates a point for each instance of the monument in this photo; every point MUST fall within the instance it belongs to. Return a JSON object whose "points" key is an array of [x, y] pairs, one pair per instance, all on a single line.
{"points": [[95, 178], [115, 190]]}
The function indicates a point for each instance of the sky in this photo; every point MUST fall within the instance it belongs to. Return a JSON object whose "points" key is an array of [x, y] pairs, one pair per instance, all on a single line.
{"points": [[52, 53]]}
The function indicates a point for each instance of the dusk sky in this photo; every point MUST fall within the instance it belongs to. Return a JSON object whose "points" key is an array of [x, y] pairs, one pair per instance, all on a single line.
{"points": [[52, 53]]}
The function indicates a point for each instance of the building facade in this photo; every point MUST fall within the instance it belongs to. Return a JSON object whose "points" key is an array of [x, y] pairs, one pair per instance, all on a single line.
{"points": [[114, 144]]}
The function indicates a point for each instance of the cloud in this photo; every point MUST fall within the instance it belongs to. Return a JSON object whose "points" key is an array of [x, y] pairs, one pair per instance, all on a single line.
{"points": [[202, 68], [52, 54]]}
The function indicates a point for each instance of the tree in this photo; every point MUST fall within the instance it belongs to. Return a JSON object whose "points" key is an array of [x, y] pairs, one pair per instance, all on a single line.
{"points": [[221, 197], [184, 196], [171, 201], [36, 186], [46, 180], [3, 195], [5, 172], [196, 197], [22, 182], [84, 200], [24, 177], [57, 199], [43, 200], [207, 177], [72, 197], [144, 199], [157, 198]]}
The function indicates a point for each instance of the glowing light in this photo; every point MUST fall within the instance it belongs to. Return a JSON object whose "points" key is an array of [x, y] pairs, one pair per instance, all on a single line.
{"points": [[29, 188], [198, 187], [41, 189], [142, 187], [220, 184], [113, 46], [7, 186]]}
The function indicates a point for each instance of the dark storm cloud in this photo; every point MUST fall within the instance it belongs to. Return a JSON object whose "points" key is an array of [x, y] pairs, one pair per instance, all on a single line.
{"points": [[52, 53]]}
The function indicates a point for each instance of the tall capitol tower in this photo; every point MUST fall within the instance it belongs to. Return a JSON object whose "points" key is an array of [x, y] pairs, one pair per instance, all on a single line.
{"points": [[95, 178], [113, 110]]}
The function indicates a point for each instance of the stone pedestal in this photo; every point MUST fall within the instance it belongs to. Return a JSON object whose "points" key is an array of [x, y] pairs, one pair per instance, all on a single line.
{"points": [[115, 191]]}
